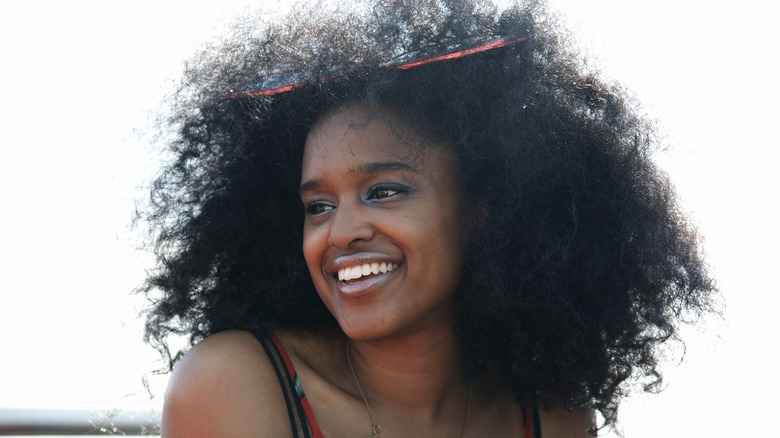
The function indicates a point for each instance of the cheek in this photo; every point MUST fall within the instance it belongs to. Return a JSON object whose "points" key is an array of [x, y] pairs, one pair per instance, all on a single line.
{"points": [[452, 240], [312, 250], [439, 243]]}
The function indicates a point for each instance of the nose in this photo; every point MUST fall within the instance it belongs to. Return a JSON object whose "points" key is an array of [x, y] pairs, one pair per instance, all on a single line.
{"points": [[348, 226]]}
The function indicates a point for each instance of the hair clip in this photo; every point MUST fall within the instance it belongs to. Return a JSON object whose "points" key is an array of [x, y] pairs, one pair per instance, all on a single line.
{"points": [[286, 81]]}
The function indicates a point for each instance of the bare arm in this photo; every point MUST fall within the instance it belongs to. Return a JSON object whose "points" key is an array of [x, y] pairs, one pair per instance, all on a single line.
{"points": [[225, 386]]}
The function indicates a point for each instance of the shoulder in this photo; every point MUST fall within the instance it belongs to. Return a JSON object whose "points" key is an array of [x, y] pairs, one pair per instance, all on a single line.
{"points": [[225, 386]]}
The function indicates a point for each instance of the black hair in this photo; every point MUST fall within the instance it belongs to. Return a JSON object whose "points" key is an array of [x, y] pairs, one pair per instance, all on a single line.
{"points": [[582, 265]]}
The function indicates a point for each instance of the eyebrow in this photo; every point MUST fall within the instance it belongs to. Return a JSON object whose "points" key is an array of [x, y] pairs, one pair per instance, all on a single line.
{"points": [[373, 168]]}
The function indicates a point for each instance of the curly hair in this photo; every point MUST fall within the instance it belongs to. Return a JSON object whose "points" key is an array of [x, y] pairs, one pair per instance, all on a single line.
{"points": [[582, 265]]}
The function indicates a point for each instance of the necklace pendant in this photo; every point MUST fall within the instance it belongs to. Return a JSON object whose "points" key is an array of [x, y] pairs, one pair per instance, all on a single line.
{"points": [[376, 432]]}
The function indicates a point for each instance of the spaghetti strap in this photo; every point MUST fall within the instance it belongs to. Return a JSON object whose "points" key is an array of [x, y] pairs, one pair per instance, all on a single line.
{"points": [[533, 429], [297, 405]]}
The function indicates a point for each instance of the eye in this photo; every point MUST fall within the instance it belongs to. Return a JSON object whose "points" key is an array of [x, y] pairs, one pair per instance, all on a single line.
{"points": [[319, 207], [384, 191]]}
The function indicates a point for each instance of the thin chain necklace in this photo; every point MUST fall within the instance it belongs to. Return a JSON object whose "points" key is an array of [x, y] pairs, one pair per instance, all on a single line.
{"points": [[375, 429]]}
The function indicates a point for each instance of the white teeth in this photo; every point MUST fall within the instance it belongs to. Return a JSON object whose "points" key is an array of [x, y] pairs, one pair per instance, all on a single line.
{"points": [[355, 272]]}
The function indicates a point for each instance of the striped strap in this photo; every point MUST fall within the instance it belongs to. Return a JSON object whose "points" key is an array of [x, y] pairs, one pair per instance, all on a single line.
{"points": [[294, 408], [531, 419]]}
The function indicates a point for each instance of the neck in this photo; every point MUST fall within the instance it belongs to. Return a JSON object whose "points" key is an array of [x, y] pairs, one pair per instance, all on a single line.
{"points": [[418, 376]]}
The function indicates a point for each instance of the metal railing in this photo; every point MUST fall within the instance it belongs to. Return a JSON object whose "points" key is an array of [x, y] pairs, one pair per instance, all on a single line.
{"points": [[61, 422]]}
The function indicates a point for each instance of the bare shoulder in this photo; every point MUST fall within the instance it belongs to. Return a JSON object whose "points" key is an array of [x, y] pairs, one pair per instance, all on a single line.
{"points": [[225, 386], [561, 423]]}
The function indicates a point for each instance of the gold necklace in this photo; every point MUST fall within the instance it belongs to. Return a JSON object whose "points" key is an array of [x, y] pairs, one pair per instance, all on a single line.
{"points": [[375, 429]]}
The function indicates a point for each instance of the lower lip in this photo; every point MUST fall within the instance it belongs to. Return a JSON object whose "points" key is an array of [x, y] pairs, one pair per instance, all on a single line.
{"points": [[363, 287]]}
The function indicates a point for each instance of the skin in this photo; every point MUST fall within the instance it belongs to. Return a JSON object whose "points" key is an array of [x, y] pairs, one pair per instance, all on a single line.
{"points": [[369, 197]]}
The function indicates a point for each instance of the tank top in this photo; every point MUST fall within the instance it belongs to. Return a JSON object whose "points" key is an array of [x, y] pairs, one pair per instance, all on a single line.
{"points": [[302, 420]]}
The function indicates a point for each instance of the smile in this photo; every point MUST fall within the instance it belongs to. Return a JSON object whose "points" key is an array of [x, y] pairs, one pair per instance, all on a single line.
{"points": [[355, 272]]}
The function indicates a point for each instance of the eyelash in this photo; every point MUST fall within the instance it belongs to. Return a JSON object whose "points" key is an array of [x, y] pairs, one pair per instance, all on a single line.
{"points": [[378, 192], [317, 208], [395, 189]]}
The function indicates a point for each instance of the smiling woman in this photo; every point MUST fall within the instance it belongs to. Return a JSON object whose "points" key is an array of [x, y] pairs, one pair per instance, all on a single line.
{"points": [[426, 220]]}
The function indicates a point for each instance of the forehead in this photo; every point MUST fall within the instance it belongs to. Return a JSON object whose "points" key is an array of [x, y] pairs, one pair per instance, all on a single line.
{"points": [[356, 135]]}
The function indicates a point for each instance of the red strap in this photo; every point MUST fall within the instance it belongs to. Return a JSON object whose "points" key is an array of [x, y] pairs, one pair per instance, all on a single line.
{"points": [[315, 429]]}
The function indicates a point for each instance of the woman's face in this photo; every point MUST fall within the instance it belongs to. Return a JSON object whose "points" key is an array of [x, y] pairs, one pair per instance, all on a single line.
{"points": [[385, 236]]}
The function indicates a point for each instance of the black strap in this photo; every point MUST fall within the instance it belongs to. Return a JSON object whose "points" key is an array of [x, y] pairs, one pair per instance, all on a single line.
{"points": [[536, 422], [294, 408]]}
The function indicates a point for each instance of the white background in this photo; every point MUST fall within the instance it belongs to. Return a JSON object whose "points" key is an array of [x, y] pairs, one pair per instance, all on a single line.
{"points": [[80, 78]]}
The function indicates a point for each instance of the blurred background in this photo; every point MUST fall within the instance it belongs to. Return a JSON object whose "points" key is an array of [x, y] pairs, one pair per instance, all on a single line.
{"points": [[80, 82]]}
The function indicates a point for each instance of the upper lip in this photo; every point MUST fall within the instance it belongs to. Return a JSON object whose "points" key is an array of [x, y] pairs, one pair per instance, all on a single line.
{"points": [[357, 259]]}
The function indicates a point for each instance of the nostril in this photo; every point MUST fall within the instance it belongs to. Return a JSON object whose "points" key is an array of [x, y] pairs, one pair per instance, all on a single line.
{"points": [[349, 224]]}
